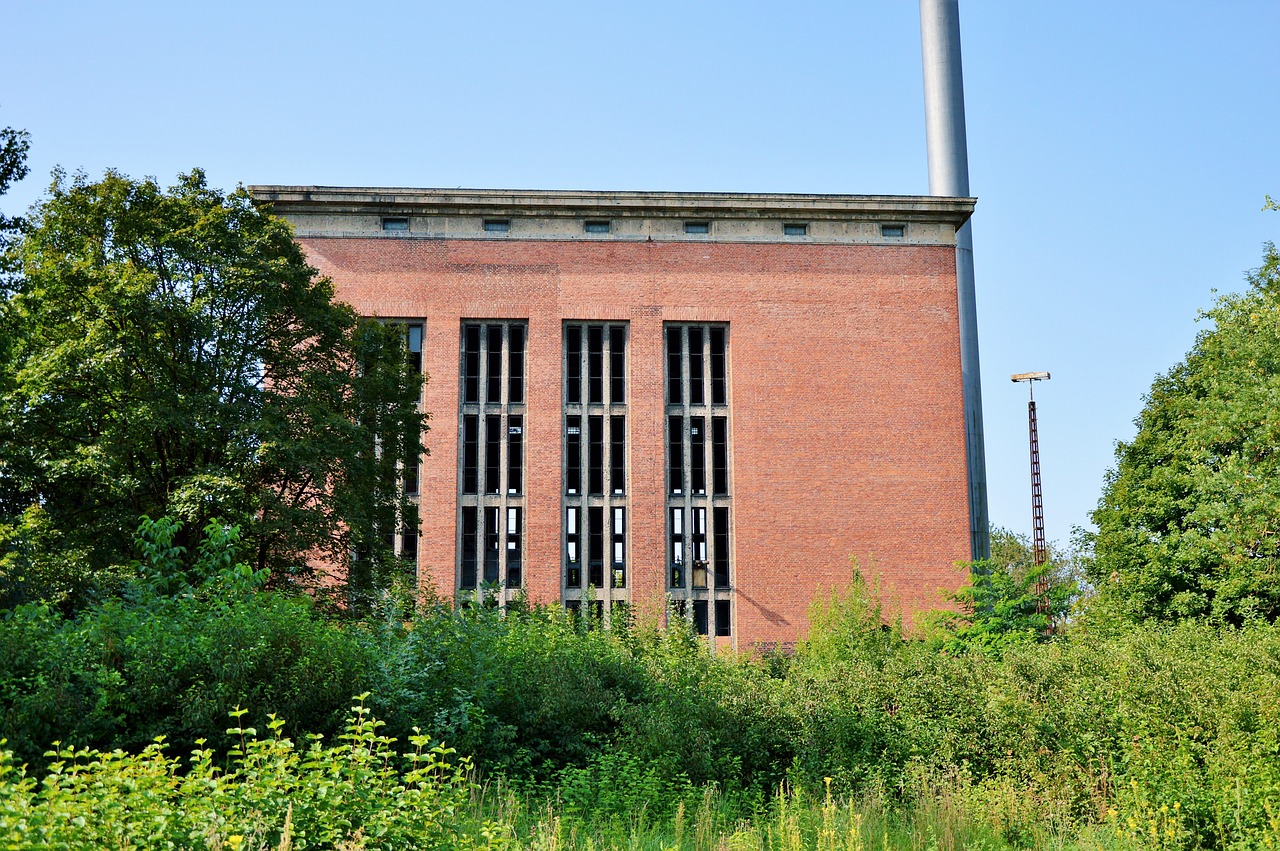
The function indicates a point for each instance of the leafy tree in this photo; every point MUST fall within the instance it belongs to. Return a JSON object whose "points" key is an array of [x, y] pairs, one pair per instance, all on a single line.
{"points": [[171, 353], [1189, 520], [1002, 605], [13, 167]]}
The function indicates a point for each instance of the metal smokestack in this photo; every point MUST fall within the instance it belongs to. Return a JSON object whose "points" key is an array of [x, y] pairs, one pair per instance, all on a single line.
{"points": [[949, 176]]}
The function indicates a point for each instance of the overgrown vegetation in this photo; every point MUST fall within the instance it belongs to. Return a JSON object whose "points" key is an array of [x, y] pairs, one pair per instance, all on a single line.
{"points": [[630, 732], [1186, 523]]}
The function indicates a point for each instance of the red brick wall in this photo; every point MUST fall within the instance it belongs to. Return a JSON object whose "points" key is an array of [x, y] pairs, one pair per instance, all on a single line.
{"points": [[847, 423]]}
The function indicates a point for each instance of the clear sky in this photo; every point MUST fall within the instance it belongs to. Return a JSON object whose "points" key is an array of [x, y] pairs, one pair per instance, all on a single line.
{"points": [[1120, 151]]}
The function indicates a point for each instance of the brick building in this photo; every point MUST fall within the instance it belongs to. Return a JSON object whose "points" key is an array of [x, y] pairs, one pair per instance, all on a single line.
{"points": [[711, 399]]}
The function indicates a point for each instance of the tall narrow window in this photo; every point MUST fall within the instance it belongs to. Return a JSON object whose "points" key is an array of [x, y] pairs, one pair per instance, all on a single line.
{"points": [[471, 364], [491, 457], [696, 359], [618, 544], [618, 454], [492, 532], [595, 455], [470, 453], [675, 454], [720, 546], [492, 453], [720, 456], [617, 362], [595, 466], [470, 552], [573, 552], [719, 393], [675, 366], [515, 373], [515, 558], [697, 456], [573, 455], [595, 546], [699, 500], [675, 554], [595, 365], [573, 365], [494, 384], [515, 454]]}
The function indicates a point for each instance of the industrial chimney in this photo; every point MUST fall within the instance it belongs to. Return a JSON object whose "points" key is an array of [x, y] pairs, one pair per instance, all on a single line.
{"points": [[949, 175]]}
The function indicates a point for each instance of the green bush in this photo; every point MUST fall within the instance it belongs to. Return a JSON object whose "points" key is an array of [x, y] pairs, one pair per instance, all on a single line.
{"points": [[359, 792]]}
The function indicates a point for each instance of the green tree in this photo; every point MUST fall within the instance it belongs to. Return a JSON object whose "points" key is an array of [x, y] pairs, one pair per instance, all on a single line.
{"points": [[1002, 603], [171, 353], [1189, 520], [13, 167]]}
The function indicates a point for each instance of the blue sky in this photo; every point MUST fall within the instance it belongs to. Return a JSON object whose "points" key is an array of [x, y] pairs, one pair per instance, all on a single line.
{"points": [[1120, 151]]}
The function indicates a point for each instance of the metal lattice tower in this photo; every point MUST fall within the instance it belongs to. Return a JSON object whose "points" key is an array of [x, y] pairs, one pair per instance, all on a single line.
{"points": [[1039, 548]]}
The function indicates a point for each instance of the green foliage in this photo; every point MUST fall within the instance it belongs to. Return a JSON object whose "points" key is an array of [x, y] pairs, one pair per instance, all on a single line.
{"points": [[1002, 604], [1186, 523], [360, 792], [171, 656], [170, 353], [13, 167]]}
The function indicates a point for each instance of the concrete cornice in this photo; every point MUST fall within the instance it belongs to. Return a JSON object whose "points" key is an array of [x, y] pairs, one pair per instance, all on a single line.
{"points": [[330, 200]]}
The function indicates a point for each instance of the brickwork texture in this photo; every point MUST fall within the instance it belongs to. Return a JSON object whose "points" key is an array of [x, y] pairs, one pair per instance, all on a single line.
{"points": [[847, 428]]}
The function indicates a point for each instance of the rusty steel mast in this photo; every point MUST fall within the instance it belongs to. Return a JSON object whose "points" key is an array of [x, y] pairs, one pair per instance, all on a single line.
{"points": [[1039, 547]]}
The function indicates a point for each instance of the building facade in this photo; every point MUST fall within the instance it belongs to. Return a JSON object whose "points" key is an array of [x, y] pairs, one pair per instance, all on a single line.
{"points": [[701, 404]]}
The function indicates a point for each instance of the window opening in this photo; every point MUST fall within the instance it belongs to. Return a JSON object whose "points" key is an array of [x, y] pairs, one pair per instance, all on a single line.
{"points": [[719, 394], [699, 512], [619, 545], [596, 226], [723, 623], [893, 231], [595, 365], [469, 550], [470, 452], [595, 463], [795, 229], [515, 561], [697, 227], [618, 453], [497, 225], [492, 453], [617, 364], [573, 365], [491, 553], [492, 456], [515, 372], [675, 369], [493, 386], [573, 562], [720, 456], [595, 546], [595, 455], [695, 366], [697, 456], [573, 455], [395, 223], [515, 453], [700, 617]]}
